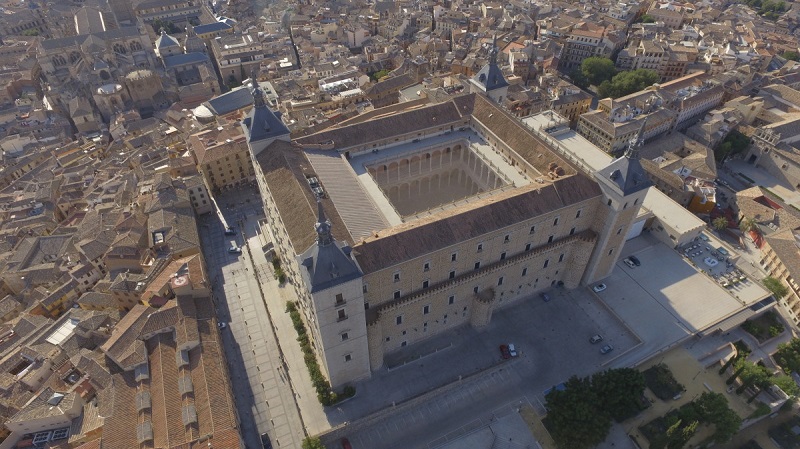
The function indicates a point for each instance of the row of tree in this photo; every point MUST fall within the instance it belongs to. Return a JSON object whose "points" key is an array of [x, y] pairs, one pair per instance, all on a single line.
{"points": [[579, 415], [600, 72]]}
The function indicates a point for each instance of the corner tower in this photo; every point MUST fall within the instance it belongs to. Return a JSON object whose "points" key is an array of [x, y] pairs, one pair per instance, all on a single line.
{"points": [[262, 126], [335, 284], [624, 183], [490, 80]]}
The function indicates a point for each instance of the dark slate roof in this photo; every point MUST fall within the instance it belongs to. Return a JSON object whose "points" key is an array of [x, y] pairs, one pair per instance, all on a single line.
{"points": [[184, 59], [626, 174], [230, 101], [166, 41], [490, 77], [263, 124], [211, 27], [328, 266], [54, 44]]}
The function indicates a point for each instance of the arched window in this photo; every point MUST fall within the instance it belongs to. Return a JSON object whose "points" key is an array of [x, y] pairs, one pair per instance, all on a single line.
{"points": [[119, 48], [136, 46], [74, 57]]}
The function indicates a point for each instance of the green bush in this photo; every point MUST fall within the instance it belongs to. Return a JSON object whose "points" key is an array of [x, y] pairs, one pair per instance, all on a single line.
{"points": [[324, 394], [349, 391]]}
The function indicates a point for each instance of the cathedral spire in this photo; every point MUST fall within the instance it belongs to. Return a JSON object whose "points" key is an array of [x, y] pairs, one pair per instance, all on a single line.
{"points": [[258, 95]]}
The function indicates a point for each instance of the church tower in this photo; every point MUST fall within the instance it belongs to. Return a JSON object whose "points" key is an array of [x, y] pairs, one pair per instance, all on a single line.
{"points": [[624, 183]]}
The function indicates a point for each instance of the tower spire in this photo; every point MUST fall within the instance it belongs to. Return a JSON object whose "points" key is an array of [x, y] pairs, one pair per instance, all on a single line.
{"points": [[633, 145], [493, 52], [323, 226], [258, 95]]}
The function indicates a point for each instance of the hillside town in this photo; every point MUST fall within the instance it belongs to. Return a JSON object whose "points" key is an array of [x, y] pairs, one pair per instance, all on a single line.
{"points": [[383, 224]]}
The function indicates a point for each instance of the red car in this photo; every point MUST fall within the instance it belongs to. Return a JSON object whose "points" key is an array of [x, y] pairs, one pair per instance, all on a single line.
{"points": [[505, 352], [346, 444]]}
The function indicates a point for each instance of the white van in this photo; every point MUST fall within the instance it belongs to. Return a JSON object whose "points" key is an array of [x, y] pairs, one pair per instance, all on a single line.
{"points": [[234, 249]]}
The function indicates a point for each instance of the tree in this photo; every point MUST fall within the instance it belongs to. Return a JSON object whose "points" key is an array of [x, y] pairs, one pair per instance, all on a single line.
{"points": [[312, 443], [791, 55], [788, 356], [647, 18], [787, 384], [627, 82], [379, 74], [753, 375], [619, 391], [579, 79], [775, 286], [575, 417], [713, 408], [597, 69], [720, 224], [739, 365], [747, 224]]}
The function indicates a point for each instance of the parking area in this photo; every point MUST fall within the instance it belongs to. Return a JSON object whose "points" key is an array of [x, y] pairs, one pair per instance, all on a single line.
{"points": [[666, 299]]}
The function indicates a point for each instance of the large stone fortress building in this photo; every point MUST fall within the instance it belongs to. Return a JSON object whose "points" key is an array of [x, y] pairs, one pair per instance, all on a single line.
{"points": [[404, 226]]}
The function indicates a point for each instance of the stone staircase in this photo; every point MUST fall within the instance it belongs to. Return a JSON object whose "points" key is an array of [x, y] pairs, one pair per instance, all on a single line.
{"points": [[356, 208]]}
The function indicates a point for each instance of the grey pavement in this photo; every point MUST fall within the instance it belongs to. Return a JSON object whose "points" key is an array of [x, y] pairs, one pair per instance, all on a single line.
{"points": [[262, 392], [781, 187]]}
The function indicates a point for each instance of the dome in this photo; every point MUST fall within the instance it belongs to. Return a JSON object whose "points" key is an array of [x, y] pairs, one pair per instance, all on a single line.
{"points": [[166, 41], [139, 74]]}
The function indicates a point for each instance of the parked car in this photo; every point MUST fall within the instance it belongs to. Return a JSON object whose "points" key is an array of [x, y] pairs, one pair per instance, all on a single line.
{"points": [[222, 325], [230, 230], [635, 260], [546, 297], [596, 339], [346, 444], [606, 349], [629, 263], [599, 288], [265, 442], [512, 350], [505, 352]]}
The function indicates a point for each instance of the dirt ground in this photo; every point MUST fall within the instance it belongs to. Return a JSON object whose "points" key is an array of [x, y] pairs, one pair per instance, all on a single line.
{"points": [[696, 381]]}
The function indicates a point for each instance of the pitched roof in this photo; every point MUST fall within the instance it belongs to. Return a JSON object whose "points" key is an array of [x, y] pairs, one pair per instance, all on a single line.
{"points": [[414, 239]]}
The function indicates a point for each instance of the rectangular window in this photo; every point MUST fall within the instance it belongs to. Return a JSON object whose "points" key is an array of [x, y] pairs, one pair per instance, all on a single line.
{"points": [[528, 247], [453, 257], [503, 256], [546, 263], [507, 238], [404, 343], [342, 316], [500, 281], [533, 229], [555, 222], [397, 277], [452, 274], [550, 239], [561, 257], [397, 294], [348, 358], [525, 271], [426, 267], [345, 336], [425, 284], [339, 299], [399, 319], [477, 265], [475, 289], [426, 310], [572, 231], [578, 215], [364, 288], [451, 299], [480, 247], [610, 251], [366, 306]]}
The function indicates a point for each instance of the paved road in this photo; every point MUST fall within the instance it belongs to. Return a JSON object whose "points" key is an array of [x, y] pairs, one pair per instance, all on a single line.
{"points": [[264, 401]]}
